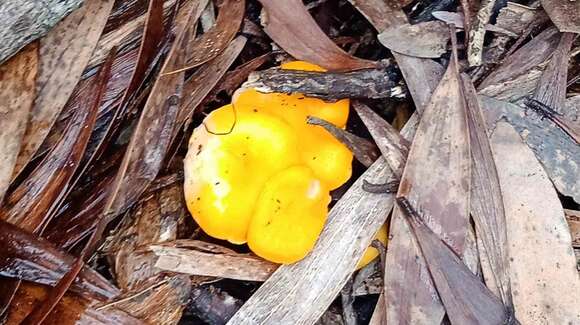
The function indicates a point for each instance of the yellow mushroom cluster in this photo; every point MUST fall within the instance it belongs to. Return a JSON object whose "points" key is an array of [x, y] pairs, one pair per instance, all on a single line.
{"points": [[257, 173]]}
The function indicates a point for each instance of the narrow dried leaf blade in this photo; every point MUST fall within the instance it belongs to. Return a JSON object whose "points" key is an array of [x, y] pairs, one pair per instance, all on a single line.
{"points": [[486, 202], [29, 205], [565, 14], [441, 144], [299, 35], [543, 271], [215, 41], [64, 54], [17, 92], [34, 259], [467, 300]]}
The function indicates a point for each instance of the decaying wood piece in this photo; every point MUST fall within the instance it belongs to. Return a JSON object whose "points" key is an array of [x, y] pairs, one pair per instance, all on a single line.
{"points": [[300, 36], [564, 13], [441, 144], [23, 21], [486, 203], [558, 152], [466, 299], [518, 75], [364, 151], [477, 32], [423, 40], [162, 303], [300, 293], [368, 83], [17, 92], [543, 271], [573, 219], [199, 258], [63, 55], [154, 221]]}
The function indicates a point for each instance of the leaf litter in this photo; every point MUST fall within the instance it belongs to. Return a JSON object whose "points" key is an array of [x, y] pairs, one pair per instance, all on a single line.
{"points": [[479, 188]]}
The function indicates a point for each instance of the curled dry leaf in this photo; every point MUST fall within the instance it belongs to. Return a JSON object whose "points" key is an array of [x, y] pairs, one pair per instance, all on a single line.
{"points": [[215, 40], [556, 150], [545, 290], [17, 91], [466, 299], [23, 21], [34, 259], [64, 54], [300, 36], [423, 40], [564, 13], [486, 202], [441, 144], [30, 203], [199, 258], [519, 73]]}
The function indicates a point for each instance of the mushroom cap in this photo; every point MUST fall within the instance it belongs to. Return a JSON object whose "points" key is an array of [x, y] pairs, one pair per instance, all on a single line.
{"points": [[289, 215], [255, 172], [371, 253], [225, 173]]}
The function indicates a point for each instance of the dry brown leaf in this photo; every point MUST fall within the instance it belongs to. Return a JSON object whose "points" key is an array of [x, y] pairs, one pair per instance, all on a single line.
{"points": [[199, 258], [215, 40], [300, 36], [556, 150], [152, 135], [422, 40], [63, 55], [441, 144], [466, 299], [29, 205], [380, 13], [456, 18], [17, 91], [486, 202], [543, 271], [564, 13], [393, 147], [519, 73]]}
